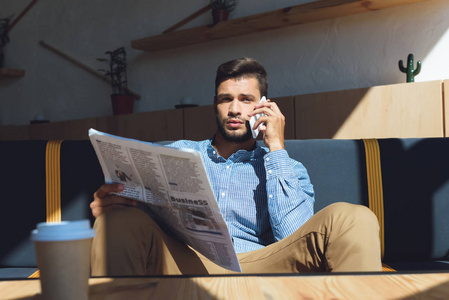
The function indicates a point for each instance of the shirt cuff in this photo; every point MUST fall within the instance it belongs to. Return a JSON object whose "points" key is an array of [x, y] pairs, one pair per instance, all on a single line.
{"points": [[278, 163]]}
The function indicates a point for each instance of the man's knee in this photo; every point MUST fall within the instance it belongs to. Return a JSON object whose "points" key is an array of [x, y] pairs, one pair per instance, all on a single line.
{"points": [[349, 209], [354, 244], [353, 213]]}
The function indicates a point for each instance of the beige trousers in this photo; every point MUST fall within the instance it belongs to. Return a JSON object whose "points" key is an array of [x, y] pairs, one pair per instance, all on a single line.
{"points": [[341, 238]]}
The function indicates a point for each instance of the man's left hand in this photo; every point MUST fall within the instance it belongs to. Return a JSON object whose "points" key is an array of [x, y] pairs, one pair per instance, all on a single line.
{"points": [[273, 124]]}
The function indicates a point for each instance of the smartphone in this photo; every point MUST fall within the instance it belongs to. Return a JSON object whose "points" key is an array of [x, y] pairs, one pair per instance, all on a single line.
{"points": [[254, 119]]}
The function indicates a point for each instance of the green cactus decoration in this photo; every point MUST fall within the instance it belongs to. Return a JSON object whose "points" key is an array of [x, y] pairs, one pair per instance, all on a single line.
{"points": [[411, 73]]}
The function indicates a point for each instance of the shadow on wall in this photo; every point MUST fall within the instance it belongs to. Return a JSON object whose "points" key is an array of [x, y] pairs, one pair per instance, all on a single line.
{"points": [[397, 110], [345, 53], [326, 115]]}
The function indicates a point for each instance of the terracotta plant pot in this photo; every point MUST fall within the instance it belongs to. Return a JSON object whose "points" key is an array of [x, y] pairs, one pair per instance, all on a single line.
{"points": [[220, 15], [122, 104]]}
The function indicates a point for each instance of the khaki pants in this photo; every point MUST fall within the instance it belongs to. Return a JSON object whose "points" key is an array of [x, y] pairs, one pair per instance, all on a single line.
{"points": [[341, 237]]}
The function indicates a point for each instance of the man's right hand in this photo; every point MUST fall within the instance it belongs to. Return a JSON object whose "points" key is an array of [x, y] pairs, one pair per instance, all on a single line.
{"points": [[105, 201]]}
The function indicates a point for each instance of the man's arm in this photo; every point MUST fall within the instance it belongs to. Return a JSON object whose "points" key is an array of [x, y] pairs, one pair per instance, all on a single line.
{"points": [[105, 201], [289, 192]]}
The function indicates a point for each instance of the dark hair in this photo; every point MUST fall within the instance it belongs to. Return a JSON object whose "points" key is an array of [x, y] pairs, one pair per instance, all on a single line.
{"points": [[242, 68]]}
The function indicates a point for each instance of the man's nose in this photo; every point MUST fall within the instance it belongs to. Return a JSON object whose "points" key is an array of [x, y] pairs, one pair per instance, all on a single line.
{"points": [[234, 107]]}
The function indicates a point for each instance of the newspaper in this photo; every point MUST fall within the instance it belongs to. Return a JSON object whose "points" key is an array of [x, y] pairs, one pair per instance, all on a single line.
{"points": [[175, 186]]}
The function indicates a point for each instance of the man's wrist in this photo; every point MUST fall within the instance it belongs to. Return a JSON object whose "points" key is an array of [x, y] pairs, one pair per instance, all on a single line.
{"points": [[278, 163], [276, 146]]}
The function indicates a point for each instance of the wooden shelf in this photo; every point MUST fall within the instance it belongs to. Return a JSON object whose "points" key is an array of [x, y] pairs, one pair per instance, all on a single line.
{"points": [[295, 15], [11, 73]]}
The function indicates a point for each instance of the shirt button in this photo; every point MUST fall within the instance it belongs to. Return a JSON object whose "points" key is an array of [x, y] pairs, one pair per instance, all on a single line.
{"points": [[267, 159], [227, 167], [270, 196], [214, 152], [223, 194], [270, 171]]}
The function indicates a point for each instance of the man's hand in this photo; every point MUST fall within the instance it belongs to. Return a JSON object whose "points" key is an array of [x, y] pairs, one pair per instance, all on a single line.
{"points": [[273, 124], [104, 201]]}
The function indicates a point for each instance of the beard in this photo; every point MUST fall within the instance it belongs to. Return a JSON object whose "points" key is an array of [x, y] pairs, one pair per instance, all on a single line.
{"points": [[233, 135]]}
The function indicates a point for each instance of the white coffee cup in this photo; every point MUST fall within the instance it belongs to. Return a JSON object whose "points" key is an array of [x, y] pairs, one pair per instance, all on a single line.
{"points": [[63, 258]]}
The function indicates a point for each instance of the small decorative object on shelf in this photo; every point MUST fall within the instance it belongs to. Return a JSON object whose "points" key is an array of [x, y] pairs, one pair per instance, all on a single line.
{"points": [[409, 70], [186, 102], [122, 100], [4, 39], [39, 119], [221, 9]]}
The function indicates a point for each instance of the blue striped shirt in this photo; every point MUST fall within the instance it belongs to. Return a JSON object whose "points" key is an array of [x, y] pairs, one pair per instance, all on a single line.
{"points": [[263, 196]]}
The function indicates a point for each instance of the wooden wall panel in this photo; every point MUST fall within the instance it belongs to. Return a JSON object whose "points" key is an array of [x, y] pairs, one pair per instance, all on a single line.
{"points": [[199, 123], [78, 129], [14, 132], [287, 107], [108, 124], [400, 110], [319, 116], [65, 130], [152, 126], [47, 131]]}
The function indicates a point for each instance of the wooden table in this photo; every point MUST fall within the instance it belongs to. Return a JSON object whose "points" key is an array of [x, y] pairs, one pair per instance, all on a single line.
{"points": [[351, 286]]}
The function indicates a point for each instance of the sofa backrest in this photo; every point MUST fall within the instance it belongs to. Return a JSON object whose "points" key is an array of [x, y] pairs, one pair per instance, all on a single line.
{"points": [[23, 195], [336, 168], [415, 180]]}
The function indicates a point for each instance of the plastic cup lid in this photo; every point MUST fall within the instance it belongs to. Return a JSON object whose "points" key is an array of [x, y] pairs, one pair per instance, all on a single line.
{"points": [[63, 231]]}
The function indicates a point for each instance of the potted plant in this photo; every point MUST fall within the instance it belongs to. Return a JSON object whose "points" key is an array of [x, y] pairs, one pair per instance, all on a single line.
{"points": [[221, 9], [122, 100], [4, 39]]}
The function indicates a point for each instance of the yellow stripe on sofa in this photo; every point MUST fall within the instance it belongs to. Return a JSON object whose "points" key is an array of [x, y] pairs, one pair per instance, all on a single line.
{"points": [[53, 185], [375, 189], [387, 268], [36, 274], [53, 176]]}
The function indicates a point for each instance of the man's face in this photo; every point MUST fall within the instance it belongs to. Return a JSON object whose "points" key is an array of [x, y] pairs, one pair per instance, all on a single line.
{"points": [[235, 100]]}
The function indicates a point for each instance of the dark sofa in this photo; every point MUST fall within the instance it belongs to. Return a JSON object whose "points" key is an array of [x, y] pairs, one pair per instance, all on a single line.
{"points": [[414, 187]]}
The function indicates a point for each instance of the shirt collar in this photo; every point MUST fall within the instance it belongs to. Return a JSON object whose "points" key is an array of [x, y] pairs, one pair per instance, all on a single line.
{"points": [[241, 155]]}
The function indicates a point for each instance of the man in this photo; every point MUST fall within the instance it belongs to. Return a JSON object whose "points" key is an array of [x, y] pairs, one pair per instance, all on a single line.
{"points": [[265, 197]]}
